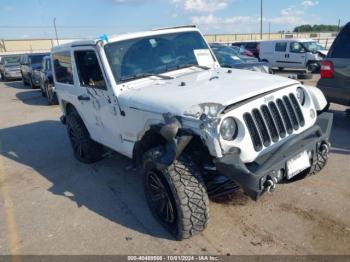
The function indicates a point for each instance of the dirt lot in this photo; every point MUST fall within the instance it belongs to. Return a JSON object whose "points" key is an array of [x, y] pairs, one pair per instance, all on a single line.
{"points": [[52, 204]]}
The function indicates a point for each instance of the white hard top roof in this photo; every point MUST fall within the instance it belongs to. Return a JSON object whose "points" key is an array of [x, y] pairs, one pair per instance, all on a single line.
{"points": [[189, 28]]}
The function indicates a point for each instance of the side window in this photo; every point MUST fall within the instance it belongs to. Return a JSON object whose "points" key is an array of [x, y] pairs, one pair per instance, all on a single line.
{"points": [[341, 47], [281, 47], [296, 47], [89, 70], [43, 64], [63, 67]]}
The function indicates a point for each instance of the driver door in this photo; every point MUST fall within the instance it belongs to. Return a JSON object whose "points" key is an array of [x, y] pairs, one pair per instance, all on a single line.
{"points": [[297, 55], [100, 114]]}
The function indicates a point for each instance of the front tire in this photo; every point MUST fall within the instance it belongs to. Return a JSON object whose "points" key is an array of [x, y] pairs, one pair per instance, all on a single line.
{"points": [[176, 194], [51, 95], [31, 83], [43, 90], [313, 67], [85, 149]]}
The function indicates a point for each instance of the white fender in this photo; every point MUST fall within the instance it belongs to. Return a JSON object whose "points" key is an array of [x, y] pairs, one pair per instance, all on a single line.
{"points": [[318, 97]]}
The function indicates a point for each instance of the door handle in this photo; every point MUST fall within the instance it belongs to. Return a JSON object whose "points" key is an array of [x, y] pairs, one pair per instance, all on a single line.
{"points": [[83, 98]]}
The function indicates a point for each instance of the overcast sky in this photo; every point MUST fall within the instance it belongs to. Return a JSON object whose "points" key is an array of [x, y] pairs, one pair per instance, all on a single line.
{"points": [[91, 18]]}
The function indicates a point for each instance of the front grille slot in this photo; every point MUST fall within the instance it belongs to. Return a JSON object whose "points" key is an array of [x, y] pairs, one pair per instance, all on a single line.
{"points": [[285, 116], [278, 120], [253, 131], [274, 121], [291, 113], [264, 133], [297, 109], [270, 123]]}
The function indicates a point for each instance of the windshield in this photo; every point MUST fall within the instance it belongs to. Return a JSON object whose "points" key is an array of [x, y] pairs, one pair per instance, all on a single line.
{"points": [[226, 55], [313, 46], [139, 57], [36, 59], [11, 60]]}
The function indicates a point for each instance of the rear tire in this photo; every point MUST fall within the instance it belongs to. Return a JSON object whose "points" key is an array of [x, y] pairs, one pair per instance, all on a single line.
{"points": [[85, 149], [176, 194]]}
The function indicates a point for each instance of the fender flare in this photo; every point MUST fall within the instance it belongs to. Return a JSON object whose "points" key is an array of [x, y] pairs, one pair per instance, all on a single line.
{"points": [[174, 137], [318, 97]]}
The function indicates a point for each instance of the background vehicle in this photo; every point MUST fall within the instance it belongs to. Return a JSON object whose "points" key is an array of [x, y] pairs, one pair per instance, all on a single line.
{"points": [[253, 47], [335, 70], [194, 129], [227, 57], [46, 81], [242, 56], [10, 67], [293, 53], [29, 63], [242, 51]]}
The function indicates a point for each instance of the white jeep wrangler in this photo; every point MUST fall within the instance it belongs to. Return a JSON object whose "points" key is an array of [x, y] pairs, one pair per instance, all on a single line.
{"points": [[197, 131]]}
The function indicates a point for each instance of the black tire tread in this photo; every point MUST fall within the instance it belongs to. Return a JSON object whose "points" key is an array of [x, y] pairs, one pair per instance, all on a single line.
{"points": [[93, 151], [189, 192]]}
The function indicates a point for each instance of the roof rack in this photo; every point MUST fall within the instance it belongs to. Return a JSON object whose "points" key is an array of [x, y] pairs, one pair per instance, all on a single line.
{"points": [[175, 27]]}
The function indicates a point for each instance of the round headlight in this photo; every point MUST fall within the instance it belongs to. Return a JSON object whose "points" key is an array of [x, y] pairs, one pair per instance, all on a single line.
{"points": [[301, 95], [228, 129]]}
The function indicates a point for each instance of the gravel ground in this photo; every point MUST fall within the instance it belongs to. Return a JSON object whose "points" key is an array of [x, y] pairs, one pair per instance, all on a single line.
{"points": [[52, 204]]}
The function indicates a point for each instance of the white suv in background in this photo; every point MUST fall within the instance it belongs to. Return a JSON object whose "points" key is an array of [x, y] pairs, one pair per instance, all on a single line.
{"points": [[293, 53], [195, 130]]}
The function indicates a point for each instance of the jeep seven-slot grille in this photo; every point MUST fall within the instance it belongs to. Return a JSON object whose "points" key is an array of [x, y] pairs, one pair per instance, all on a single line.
{"points": [[274, 121]]}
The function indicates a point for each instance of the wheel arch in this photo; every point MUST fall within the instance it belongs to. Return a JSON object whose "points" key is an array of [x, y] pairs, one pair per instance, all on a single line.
{"points": [[185, 141]]}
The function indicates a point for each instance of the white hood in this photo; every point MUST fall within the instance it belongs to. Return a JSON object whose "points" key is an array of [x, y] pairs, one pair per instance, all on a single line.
{"points": [[213, 86]]}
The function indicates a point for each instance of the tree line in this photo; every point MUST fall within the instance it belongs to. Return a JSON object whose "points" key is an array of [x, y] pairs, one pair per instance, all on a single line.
{"points": [[315, 28]]}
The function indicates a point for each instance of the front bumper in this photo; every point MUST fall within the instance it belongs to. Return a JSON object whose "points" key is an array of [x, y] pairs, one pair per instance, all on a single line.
{"points": [[253, 177], [12, 74]]}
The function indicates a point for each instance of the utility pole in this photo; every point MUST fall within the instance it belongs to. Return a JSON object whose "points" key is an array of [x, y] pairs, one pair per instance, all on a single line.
{"points": [[261, 19], [54, 25], [269, 30], [339, 26]]}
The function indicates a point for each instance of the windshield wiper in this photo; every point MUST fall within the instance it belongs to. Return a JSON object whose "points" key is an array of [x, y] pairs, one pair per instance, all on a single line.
{"points": [[142, 75], [194, 65]]}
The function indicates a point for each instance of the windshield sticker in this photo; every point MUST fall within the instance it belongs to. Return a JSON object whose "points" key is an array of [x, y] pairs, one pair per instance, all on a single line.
{"points": [[204, 57], [235, 57], [153, 42]]}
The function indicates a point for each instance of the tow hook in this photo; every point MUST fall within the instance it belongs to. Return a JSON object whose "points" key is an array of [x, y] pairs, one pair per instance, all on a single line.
{"points": [[271, 184]]}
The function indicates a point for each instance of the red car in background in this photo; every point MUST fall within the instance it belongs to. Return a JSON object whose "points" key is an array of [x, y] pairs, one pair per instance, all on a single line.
{"points": [[241, 50], [252, 48]]}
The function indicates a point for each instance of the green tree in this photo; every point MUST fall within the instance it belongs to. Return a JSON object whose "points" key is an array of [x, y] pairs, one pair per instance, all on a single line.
{"points": [[315, 28]]}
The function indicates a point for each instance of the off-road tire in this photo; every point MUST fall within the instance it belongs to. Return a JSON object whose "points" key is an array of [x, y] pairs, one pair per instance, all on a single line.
{"points": [[320, 162], [85, 149], [187, 192]]}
